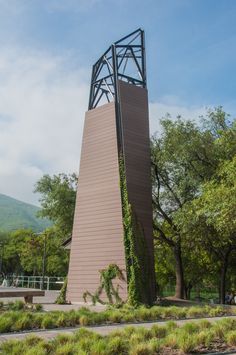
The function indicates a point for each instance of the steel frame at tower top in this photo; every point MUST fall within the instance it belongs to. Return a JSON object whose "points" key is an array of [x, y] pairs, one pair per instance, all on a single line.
{"points": [[116, 64]]}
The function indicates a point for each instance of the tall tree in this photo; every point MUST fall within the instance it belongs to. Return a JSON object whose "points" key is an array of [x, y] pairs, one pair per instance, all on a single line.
{"points": [[183, 157], [58, 194], [211, 218]]}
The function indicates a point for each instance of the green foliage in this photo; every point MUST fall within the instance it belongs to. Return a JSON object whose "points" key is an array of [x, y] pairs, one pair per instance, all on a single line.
{"points": [[186, 159], [61, 299], [189, 338], [58, 194], [15, 214], [23, 252], [135, 249], [28, 319], [106, 284]]}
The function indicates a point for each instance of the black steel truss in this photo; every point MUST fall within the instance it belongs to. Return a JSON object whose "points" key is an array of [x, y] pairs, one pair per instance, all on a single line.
{"points": [[123, 60]]}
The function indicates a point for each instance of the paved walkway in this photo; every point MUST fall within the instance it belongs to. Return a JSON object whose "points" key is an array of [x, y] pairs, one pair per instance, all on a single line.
{"points": [[102, 329]]}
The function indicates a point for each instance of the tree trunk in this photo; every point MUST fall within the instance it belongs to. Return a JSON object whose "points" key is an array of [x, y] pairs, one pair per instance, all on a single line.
{"points": [[179, 287], [187, 291], [223, 272]]}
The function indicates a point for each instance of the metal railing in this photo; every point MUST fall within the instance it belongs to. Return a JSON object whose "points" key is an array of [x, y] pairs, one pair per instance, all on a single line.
{"points": [[39, 282]]}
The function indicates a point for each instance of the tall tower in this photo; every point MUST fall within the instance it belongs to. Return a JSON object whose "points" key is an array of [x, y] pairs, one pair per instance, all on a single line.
{"points": [[115, 146]]}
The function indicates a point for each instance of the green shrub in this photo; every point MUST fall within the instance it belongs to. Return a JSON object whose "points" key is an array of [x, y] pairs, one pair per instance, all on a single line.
{"points": [[48, 322], [216, 311], [84, 320], [61, 299], [154, 345], [32, 340], [158, 331], [63, 339], [143, 313], [17, 305], [13, 347], [204, 338], [115, 316], [170, 341], [23, 322], [171, 325], [193, 312], [36, 350], [231, 338], [5, 324], [186, 342], [141, 349], [204, 324], [98, 347], [64, 349], [190, 328], [38, 307], [117, 345]]}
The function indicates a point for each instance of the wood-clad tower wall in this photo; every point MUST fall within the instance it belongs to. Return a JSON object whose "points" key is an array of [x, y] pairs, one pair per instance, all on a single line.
{"points": [[112, 129]]}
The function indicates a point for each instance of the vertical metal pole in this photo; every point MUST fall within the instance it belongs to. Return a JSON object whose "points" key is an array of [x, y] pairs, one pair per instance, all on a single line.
{"points": [[1, 260], [44, 261], [143, 59]]}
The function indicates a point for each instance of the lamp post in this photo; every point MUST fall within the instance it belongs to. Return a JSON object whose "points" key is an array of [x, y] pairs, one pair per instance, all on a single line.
{"points": [[44, 261], [1, 259], [44, 257]]}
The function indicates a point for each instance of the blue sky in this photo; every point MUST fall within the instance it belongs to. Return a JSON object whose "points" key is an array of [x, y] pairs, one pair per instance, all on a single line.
{"points": [[49, 46]]}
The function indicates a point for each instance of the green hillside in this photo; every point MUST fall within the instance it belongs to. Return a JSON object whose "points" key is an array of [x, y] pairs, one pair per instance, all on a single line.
{"points": [[15, 214]]}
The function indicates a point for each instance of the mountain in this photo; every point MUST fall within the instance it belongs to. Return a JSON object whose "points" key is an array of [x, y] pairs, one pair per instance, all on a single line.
{"points": [[15, 214]]}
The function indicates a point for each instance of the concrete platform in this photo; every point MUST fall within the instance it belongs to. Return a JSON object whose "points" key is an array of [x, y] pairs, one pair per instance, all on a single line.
{"points": [[26, 293]]}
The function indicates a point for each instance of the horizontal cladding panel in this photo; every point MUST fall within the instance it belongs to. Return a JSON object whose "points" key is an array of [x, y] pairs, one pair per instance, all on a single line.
{"points": [[97, 239], [91, 172], [115, 231], [97, 159], [107, 253], [134, 113], [99, 223], [96, 201], [98, 190], [100, 243]]}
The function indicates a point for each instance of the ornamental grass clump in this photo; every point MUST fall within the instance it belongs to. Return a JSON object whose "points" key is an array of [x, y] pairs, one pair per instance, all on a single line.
{"points": [[117, 345], [186, 342], [190, 328], [231, 338], [65, 349], [158, 331], [5, 324], [48, 322], [168, 339], [204, 338], [23, 322], [13, 347], [16, 306], [196, 312], [141, 349]]}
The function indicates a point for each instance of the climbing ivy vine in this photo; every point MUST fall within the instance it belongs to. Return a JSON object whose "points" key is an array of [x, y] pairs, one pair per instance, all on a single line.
{"points": [[135, 248], [61, 299], [106, 284]]}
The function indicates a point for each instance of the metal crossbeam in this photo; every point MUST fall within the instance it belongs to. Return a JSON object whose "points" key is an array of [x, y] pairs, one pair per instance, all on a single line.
{"points": [[115, 64]]}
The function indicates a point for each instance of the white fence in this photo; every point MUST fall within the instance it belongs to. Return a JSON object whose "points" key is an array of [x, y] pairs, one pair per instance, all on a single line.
{"points": [[46, 282]]}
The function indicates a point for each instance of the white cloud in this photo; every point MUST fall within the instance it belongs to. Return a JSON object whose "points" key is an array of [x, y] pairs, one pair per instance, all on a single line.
{"points": [[41, 119], [42, 108], [172, 106]]}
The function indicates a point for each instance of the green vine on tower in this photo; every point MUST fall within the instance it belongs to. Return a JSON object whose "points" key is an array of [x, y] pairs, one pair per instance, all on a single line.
{"points": [[135, 248]]}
